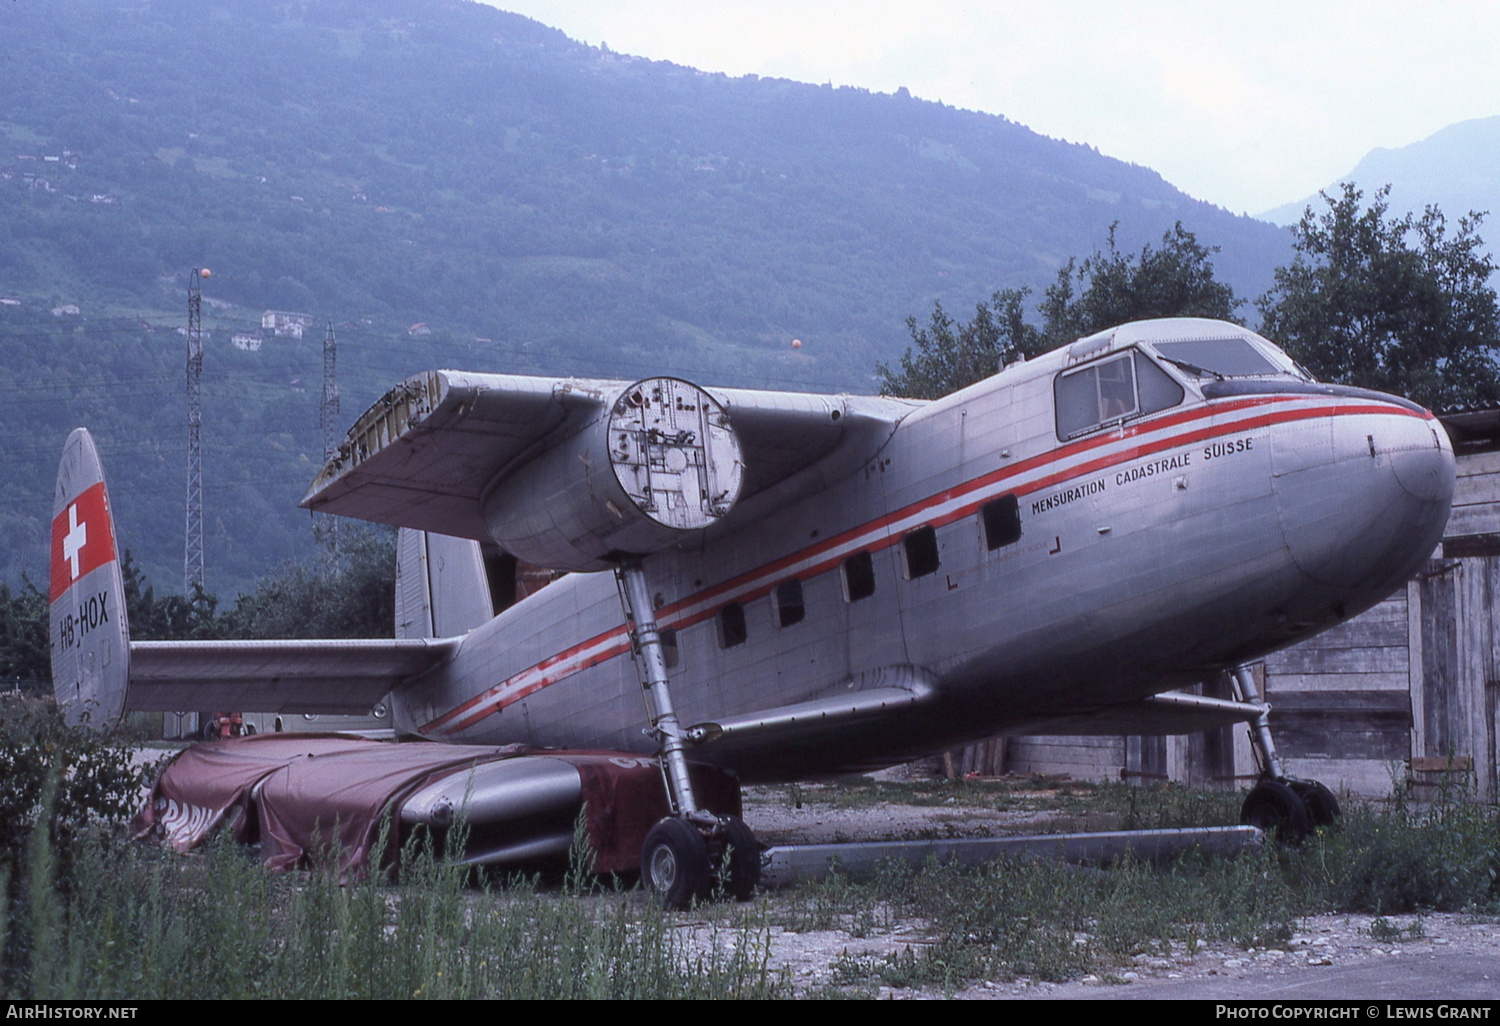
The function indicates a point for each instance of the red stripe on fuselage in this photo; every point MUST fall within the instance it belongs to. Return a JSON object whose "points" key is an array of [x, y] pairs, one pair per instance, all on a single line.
{"points": [[743, 587]]}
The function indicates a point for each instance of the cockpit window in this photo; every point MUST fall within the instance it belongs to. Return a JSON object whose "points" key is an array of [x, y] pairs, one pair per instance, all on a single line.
{"points": [[1110, 391], [1217, 357]]}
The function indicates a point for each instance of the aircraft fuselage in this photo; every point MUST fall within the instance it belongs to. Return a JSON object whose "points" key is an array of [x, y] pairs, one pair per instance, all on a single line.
{"points": [[1080, 531]]}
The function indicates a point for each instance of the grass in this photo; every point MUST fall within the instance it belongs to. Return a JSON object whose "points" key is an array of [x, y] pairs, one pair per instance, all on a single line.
{"points": [[1050, 921], [140, 923], [1055, 922], [129, 921]]}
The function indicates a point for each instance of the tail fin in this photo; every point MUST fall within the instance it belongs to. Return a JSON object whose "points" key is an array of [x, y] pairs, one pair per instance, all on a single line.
{"points": [[89, 636], [442, 589]]}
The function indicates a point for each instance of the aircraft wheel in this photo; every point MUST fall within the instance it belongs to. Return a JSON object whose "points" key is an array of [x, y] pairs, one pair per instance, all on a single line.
{"points": [[1274, 807], [740, 872], [674, 863], [1322, 807]]}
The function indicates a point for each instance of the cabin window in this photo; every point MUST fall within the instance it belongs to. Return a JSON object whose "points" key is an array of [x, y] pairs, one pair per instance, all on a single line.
{"points": [[732, 630], [1098, 394], [1110, 391], [921, 552], [1002, 522], [669, 650], [859, 576], [789, 606]]}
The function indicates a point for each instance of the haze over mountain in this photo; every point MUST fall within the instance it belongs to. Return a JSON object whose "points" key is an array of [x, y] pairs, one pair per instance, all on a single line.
{"points": [[1458, 169], [452, 184]]}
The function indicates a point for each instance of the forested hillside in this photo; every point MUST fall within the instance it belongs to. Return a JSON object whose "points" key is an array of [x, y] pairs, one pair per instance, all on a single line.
{"points": [[450, 184]]}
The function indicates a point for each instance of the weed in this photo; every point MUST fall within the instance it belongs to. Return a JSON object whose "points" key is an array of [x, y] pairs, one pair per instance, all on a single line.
{"points": [[141, 923], [1443, 856]]}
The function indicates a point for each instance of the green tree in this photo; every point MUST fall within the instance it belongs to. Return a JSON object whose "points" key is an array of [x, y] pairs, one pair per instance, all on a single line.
{"points": [[1392, 303], [1110, 288], [171, 617], [24, 654], [949, 356], [1105, 289], [348, 596]]}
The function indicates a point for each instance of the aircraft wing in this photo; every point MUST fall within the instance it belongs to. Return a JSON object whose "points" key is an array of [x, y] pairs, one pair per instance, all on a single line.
{"points": [[276, 676], [428, 452]]}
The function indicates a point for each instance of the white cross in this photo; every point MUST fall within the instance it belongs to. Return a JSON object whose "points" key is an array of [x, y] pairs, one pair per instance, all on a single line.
{"points": [[74, 541]]}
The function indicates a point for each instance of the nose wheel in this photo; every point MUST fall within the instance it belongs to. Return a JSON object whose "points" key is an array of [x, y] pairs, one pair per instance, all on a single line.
{"points": [[1283, 806]]}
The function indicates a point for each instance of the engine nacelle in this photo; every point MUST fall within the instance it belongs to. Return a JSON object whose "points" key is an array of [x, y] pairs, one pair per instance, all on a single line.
{"points": [[660, 462]]}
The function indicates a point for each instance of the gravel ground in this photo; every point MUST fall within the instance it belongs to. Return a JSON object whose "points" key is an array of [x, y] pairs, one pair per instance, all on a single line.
{"points": [[1320, 943]]}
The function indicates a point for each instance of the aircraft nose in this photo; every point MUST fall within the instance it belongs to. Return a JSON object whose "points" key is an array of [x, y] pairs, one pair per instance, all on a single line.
{"points": [[1363, 495]]}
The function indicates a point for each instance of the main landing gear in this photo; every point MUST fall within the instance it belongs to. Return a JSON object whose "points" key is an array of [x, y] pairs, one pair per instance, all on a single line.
{"points": [[691, 854], [1284, 806]]}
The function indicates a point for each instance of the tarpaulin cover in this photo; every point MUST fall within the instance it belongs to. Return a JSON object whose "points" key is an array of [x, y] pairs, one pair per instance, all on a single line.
{"points": [[318, 791]]}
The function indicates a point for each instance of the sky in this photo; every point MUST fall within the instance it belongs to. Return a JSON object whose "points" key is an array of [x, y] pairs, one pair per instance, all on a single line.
{"points": [[1248, 104]]}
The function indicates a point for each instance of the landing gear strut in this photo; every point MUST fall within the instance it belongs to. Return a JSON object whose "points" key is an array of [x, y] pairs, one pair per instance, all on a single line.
{"points": [[1287, 807], [690, 851]]}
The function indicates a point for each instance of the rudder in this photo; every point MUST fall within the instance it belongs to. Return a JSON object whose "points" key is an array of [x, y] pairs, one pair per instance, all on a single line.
{"points": [[89, 636]]}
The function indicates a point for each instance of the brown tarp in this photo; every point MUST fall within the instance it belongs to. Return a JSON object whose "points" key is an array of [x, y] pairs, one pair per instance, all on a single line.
{"points": [[332, 793]]}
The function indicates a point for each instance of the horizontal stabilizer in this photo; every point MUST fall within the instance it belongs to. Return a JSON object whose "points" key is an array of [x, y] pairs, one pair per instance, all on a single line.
{"points": [[347, 676]]}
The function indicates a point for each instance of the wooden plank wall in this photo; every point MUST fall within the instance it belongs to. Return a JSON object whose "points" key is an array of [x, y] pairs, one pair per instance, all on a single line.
{"points": [[1476, 511], [1082, 758], [1341, 709]]}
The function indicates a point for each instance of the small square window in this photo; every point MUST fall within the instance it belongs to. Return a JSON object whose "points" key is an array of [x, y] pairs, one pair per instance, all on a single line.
{"points": [[732, 630], [859, 576], [1002, 522], [921, 552], [789, 606]]}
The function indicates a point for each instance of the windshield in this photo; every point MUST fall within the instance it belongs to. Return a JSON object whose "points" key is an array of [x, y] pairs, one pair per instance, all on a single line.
{"points": [[1218, 358]]}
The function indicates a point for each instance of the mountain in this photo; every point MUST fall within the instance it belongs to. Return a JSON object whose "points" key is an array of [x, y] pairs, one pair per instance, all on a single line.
{"points": [[1457, 168], [451, 184]]}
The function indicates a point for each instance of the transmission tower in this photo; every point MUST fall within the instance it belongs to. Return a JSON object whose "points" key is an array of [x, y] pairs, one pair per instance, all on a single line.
{"points": [[328, 415], [192, 556]]}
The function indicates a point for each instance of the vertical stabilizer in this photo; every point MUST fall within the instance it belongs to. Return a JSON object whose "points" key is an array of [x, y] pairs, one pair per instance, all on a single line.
{"points": [[89, 636], [441, 587]]}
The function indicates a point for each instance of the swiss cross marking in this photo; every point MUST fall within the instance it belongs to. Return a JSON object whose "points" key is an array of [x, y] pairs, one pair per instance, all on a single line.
{"points": [[74, 541]]}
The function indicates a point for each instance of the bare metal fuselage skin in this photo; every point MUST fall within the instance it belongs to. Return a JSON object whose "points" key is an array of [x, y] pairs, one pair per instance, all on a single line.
{"points": [[1153, 551]]}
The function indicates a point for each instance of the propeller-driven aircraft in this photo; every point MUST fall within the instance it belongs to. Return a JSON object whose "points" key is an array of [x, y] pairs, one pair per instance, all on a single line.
{"points": [[816, 584]]}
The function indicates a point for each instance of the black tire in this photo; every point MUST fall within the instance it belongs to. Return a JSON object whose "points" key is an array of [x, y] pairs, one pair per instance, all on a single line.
{"points": [[1274, 807], [1322, 807], [739, 862], [674, 863]]}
